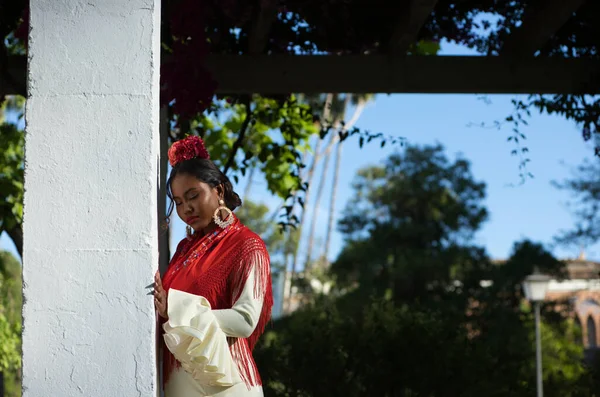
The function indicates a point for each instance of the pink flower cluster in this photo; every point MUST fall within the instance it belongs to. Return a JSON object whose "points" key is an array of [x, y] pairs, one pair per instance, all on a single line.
{"points": [[186, 149]]}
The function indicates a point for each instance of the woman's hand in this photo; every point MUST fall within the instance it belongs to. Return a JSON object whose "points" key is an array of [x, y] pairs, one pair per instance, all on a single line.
{"points": [[160, 296]]}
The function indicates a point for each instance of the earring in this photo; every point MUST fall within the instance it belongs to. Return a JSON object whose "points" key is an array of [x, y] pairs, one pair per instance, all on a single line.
{"points": [[223, 223], [189, 232]]}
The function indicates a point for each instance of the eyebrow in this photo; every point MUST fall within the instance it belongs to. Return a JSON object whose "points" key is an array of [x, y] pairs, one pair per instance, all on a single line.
{"points": [[186, 192]]}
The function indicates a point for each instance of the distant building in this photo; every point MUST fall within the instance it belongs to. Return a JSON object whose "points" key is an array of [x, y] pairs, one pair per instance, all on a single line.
{"points": [[582, 290]]}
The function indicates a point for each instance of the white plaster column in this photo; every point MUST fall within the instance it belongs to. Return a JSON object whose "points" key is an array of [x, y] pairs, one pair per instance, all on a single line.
{"points": [[90, 217]]}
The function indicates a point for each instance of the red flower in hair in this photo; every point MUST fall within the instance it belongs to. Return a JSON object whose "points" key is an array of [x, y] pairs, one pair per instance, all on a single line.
{"points": [[186, 149]]}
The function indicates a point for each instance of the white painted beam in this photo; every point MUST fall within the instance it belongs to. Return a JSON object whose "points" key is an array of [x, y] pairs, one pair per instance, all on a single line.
{"points": [[275, 74], [90, 219]]}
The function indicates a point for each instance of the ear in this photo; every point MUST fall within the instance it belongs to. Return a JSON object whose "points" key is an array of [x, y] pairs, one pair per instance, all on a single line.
{"points": [[220, 192]]}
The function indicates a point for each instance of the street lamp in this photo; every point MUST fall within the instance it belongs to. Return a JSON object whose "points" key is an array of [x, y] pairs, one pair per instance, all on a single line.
{"points": [[535, 286]]}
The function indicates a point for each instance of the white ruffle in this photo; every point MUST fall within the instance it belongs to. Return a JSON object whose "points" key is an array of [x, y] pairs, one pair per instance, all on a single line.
{"points": [[194, 337]]}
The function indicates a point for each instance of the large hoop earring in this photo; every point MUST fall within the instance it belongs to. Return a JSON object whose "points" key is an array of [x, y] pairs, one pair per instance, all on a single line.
{"points": [[189, 232], [223, 223]]}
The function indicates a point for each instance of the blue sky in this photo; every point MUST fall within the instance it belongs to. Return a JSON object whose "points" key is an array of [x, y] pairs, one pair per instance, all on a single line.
{"points": [[534, 210]]}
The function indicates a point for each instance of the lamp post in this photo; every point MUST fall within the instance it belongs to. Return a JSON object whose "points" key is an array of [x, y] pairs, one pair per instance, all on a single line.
{"points": [[535, 286]]}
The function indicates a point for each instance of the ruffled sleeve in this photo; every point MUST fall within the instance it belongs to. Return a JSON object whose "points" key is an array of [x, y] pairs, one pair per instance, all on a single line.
{"points": [[196, 340]]}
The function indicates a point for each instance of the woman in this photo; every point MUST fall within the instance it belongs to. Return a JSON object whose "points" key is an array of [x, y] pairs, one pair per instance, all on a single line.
{"points": [[215, 298]]}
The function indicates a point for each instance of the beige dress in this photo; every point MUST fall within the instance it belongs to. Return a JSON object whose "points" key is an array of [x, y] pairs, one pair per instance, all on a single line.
{"points": [[198, 338]]}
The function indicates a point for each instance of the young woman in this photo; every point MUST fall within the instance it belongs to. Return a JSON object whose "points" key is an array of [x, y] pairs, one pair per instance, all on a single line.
{"points": [[215, 297]]}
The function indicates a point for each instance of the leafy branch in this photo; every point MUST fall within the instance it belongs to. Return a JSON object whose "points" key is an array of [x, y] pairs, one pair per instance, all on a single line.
{"points": [[240, 140]]}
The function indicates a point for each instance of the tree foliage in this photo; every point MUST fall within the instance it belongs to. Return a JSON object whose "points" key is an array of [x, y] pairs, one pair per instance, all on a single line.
{"points": [[11, 301], [269, 134], [483, 345], [258, 218], [193, 29], [584, 187], [11, 170], [418, 205], [419, 309]]}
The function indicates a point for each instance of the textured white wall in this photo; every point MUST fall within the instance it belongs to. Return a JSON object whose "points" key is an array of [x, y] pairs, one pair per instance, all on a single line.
{"points": [[90, 244]]}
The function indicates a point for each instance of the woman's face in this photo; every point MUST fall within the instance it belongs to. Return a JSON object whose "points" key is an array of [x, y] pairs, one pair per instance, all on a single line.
{"points": [[195, 200]]}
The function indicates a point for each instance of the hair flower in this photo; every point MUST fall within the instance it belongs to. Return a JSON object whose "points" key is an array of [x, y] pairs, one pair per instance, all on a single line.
{"points": [[186, 149]]}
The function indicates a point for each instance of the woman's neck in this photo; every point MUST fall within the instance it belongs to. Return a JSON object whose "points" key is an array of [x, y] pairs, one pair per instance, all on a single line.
{"points": [[208, 229]]}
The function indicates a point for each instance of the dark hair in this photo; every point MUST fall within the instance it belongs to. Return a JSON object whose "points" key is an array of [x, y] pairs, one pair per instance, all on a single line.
{"points": [[206, 171]]}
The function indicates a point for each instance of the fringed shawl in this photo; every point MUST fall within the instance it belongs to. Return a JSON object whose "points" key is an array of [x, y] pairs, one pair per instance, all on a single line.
{"points": [[217, 266]]}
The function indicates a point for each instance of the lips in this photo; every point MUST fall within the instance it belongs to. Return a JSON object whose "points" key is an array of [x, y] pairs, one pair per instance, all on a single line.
{"points": [[191, 219]]}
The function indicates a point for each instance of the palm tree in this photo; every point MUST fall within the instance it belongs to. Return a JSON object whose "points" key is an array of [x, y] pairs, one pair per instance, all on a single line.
{"points": [[337, 116], [359, 101], [324, 120], [334, 111]]}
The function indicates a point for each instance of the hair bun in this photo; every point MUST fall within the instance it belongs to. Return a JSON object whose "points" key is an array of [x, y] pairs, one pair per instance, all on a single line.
{"points": [[187, 149]]}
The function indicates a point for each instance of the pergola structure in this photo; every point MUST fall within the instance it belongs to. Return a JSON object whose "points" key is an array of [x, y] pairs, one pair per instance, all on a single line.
{"points": [[411, 74], [528, 60], [93, 136]]}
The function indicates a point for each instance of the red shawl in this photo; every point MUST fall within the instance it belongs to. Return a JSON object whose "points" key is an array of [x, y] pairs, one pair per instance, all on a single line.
{"points": [[217, 266]]}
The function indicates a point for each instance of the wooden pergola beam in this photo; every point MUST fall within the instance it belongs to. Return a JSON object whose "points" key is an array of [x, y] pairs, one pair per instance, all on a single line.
{"points": [[538, 26], [277, 74], [280, 74], [409, 24]]}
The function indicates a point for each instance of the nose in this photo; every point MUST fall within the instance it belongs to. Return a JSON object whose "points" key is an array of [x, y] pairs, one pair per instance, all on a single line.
{"points": [[189, 210]]}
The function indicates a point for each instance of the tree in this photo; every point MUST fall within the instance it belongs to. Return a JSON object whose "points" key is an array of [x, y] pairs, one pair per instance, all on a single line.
{"points": [[584, 186], [332, 125], [191, 30], [245, 139], [503, 320], [411, 316], [410, 222], [359, 101], [324, 120], [256, 217], [11, 172], [339, 127], [450, 347], [11, 302], [281, 244], [338, 114]]}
